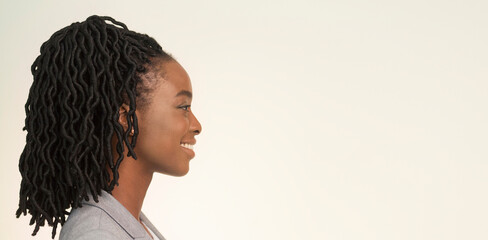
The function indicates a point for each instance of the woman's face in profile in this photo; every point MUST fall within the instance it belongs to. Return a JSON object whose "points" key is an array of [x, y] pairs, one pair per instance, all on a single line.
{"points": [[167, 122]]}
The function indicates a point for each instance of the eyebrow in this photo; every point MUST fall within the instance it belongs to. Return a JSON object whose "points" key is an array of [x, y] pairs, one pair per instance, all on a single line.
{"points": [[184, 93]]}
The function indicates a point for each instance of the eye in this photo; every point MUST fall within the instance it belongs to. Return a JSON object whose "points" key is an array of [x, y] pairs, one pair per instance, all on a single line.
{"points": [[185, 107]]}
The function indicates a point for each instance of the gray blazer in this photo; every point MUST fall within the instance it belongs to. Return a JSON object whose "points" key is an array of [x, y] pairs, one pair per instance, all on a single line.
{"points": [[108, 219]]}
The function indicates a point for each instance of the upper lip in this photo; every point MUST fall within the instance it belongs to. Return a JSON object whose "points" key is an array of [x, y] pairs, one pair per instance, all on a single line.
{"points": [[191, 142]]}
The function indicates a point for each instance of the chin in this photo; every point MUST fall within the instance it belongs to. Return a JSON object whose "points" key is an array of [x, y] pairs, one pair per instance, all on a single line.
{"points": [[180, 174], [176, 172]]}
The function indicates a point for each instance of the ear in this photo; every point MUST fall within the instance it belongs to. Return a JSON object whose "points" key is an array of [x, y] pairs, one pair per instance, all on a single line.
{"points": [[123, 111]]}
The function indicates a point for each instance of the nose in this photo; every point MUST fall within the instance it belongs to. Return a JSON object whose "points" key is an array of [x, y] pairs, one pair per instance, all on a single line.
{"points": [[195, 126]]}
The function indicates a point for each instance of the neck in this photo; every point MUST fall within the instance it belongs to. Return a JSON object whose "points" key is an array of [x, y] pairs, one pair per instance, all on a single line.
{"points": [[133, 182]]}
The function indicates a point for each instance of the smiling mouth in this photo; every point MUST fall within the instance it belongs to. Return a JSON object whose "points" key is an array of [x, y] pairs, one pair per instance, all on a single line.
{"points": [[188, 148], [187, 145]]}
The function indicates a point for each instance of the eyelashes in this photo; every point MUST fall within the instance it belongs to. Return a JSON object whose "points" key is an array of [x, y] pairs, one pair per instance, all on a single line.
{"points": [[185, 107]]}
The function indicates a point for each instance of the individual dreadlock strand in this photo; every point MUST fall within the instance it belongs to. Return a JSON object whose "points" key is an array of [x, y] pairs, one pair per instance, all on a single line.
{"points": [[136, 133], [55, 226]]}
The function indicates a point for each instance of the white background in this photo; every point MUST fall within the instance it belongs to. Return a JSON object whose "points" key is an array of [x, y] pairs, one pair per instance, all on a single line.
{"points": [[321, 119]]}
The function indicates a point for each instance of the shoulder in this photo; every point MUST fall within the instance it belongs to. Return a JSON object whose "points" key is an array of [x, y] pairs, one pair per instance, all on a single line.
{"points": [[90, 222]]}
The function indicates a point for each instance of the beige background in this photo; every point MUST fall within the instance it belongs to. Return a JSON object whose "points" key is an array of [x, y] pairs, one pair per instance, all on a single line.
{"points": [[321, 119]]}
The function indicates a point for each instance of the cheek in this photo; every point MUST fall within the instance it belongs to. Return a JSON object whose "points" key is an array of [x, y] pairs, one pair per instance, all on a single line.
{"points": [[157, 137], [159, 140], [167, 129]]}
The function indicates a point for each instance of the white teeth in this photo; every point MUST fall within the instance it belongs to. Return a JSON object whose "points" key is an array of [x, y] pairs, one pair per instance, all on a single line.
{"points": [[186, 145]]}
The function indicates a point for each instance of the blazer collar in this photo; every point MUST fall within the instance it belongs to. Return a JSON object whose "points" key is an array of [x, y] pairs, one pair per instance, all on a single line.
{"points": [[149, 225], [119, 214]]}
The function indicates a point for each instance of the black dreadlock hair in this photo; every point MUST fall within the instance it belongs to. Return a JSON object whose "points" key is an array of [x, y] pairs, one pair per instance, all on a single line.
{"points": [[82, 76]]}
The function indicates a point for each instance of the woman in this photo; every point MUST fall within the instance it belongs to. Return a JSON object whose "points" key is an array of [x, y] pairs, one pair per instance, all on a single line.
{"points": [[98, 89]]}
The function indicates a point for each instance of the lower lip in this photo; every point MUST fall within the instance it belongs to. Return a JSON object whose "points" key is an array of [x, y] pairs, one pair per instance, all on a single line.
{"points": [[189, 151]]}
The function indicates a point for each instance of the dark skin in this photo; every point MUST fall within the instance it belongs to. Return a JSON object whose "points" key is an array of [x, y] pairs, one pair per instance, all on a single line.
{"points": [[163, 125]]}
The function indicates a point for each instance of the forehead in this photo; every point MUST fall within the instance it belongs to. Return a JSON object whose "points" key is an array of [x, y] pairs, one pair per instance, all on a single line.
{"points": [[172, 79]]}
